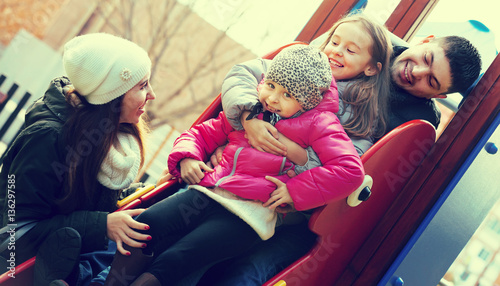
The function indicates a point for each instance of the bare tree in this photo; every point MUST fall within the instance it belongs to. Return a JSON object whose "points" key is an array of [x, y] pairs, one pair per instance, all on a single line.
{"points": [[190, 58]]}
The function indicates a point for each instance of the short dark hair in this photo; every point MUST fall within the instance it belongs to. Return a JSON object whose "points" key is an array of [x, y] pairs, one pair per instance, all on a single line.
{"points": [[465, 62]]}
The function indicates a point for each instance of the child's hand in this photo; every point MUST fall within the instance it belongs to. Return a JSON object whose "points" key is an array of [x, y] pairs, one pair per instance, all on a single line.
{"points": [[164, 177], [279, 196], [192, 170], [216, 157], [263, 136], [286, 209], [291, 173]]}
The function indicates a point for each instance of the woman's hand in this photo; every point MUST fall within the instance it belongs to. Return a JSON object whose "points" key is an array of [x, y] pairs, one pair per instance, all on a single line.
{"points": [[263, 136], [279, 196], [121, 228], [192, 170]]}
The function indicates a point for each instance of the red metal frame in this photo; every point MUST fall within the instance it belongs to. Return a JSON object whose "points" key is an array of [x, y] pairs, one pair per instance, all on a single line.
{"points": [[408, 16], [23, 274]]}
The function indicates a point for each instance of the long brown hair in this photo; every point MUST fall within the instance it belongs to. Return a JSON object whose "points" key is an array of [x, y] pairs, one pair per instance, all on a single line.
{"points": [[368, 95], [88, 134]]}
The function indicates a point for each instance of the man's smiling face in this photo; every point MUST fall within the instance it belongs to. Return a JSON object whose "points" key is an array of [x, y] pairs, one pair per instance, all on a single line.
{"points": [[423, 70]]}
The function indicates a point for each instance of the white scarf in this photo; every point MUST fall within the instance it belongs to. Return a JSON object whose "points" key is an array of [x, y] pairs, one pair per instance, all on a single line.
{"points": [[121, 165]]}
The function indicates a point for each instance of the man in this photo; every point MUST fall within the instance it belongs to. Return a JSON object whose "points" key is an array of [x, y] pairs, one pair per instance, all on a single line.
{"points": [[431, 69]]}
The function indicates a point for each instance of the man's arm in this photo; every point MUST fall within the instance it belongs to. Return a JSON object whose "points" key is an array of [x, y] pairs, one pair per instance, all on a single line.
{"points": [[239, 95]]}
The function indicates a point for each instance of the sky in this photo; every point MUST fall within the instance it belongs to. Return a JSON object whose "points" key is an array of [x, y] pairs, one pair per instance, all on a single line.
{"points": [[263, 25], [259, 25]]}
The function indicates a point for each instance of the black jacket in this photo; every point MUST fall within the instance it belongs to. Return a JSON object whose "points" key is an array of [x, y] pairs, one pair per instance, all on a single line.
{"points": [[34, 164], [404, 107]]}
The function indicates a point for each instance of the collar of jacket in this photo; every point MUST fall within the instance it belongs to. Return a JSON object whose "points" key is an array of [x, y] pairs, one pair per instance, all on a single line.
{"points": [[54, 98], [399, 96], [396, 51], [52, 106]]}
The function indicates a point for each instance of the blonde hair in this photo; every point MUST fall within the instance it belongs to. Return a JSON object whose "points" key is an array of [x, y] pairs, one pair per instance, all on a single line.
{"points": [[368, 95]]}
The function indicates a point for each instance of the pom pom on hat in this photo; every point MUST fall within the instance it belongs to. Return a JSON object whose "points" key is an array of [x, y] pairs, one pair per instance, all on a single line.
{"points": [[304, 71], [102, 67]]}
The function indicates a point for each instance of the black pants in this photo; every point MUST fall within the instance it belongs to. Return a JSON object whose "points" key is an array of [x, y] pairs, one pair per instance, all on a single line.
{"points": [[190, 231], [264, 260]]}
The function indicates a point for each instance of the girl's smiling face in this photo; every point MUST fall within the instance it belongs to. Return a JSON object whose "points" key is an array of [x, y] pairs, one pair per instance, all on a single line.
{"points": [[134, 101], [276, 99], [349, 52]]}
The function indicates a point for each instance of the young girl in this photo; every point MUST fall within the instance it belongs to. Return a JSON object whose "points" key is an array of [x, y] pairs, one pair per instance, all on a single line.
{"points": [[359, 52], [81, 146], [211, 221]]}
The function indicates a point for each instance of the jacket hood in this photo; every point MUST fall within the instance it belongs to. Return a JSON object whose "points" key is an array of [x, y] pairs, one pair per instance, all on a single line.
{"points": [[52, 106]]}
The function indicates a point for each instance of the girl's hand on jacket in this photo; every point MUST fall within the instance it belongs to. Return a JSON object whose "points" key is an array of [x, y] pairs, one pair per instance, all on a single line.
{"points": [[216, 157], [263, 136], [279, 196], [291, 173], [285, 209], [164, 177], [192, 170], [121, 228]]}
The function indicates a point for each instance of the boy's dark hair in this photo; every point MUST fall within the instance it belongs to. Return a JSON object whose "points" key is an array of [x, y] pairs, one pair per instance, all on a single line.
{"points": [[465, 62]]}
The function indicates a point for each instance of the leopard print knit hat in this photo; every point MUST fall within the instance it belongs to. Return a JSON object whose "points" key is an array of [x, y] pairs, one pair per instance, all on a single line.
{"points": [[304, 71]]}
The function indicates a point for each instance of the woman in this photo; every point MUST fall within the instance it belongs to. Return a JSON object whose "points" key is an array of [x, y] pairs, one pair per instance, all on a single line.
{"points": [[81, 146]]}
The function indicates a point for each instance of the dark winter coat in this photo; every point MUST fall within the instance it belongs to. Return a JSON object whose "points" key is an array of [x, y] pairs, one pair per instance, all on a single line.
{"points": [[35, 165]]}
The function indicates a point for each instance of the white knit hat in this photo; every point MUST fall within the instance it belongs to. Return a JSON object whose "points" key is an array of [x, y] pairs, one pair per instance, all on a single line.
{"points": [[102, 67]]}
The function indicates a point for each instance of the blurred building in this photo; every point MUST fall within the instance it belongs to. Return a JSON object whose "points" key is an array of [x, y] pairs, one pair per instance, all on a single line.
{"points": [[479, 262]]}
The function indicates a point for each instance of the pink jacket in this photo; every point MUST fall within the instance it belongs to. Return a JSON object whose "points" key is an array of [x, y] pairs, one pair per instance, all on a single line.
{"points": [[243, 168]]}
